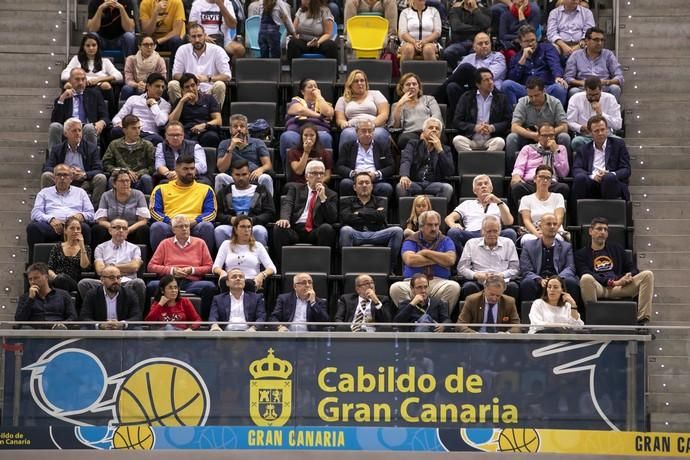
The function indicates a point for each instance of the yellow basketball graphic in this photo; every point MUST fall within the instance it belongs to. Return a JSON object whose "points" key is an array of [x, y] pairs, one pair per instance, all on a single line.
{"points": [[161, 393], [518, 440], [135, 437]]}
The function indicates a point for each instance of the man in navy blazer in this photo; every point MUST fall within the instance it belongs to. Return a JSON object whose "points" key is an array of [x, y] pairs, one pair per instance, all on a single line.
{"points": [[544, 257], [253, 309], [299, 306], [126, 304], [365, 154], [602, 168], [410, 311], [93, 114]]}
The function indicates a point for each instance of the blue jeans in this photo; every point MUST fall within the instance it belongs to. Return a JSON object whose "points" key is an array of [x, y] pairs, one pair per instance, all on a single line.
{"points": [[224, 232], [161, 230], [127, 43], [391, 237], [381, 136], [223, 179], [514, 91], [428, 188], [269, 40], [291, 139], [127, 91]]}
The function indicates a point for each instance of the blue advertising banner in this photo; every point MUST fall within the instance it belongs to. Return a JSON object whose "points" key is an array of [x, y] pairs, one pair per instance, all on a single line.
{"points": [[318, 391]]}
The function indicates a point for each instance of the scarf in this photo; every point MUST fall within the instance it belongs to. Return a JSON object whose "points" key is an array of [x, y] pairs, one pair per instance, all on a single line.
{"points": [[514, 10], [546, 155], [144, 67]]}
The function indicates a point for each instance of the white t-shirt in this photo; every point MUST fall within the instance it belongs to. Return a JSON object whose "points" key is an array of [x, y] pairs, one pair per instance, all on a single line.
{"points": [[209, 16], [542, 314], [473, 213], [538, 207]]}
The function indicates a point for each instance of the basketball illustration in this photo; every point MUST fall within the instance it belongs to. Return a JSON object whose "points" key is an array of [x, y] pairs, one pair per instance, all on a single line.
{"points": [[518, 440], [135, 437], [162, 393]]}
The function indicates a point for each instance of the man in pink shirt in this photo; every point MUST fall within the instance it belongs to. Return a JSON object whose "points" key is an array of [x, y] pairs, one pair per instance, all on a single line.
{"points": [[545, 151], [186, 258]]}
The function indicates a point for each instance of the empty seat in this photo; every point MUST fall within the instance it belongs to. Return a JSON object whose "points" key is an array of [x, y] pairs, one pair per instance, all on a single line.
{"points": [[309, 259], [432, 73], [614, 210], [257, 69], [365, 259], [42, 252], [612, 312], [257, 91], [321, 70], [481, 162]]}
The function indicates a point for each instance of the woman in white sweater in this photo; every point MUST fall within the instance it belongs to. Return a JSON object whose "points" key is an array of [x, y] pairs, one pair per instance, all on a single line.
{"points": [[556, 308]]}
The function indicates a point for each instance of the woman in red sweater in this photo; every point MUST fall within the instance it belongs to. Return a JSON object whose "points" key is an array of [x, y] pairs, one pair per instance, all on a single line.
{"points": [[169, 306]]}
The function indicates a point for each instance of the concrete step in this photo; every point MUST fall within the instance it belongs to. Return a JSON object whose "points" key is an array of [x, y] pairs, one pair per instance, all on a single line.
{"points": [[661, 210], [634, 141], [22, 171], [644, 26], [11, 220], [674, 45], [668, 384], [668, 277], [669, 423], [33, 5], [672, 333], [663, 313], [642, 71], [650, 176], [25, 124], [653, 243], [659, 157], [8, 253], [652, 129], [38, 79], [17, 200], [659, 227], [661, 347], [23, 154], [49, 36], [654, 86], [24, 140], [652, 260], [656, 8], [57, 47], [669, 365], [668, 403]]}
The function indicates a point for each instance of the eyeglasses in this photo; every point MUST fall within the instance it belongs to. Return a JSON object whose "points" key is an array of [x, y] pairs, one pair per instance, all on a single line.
{"points": [[112, 277], [541, 177], [305, 282], [365, 283]]}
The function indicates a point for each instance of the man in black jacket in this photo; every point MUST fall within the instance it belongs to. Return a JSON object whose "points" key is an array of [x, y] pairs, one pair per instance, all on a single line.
{"points": [[606, 273], [82, 158], [241, 197], [363, 306], [466, 18], [483, 117], [365, 155], [76, 101], [364, 220], [112, 305]]}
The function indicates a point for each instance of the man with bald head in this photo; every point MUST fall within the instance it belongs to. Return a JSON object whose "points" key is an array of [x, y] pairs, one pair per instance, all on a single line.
{"points": [[363, 306], [111, 306], [545, 257], [294, 309]]}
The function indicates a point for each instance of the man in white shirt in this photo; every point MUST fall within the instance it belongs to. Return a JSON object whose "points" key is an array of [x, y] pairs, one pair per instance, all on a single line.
{"points": [[584, 105], [300, 306], [237, 307], [210, 63], [151, 109]]}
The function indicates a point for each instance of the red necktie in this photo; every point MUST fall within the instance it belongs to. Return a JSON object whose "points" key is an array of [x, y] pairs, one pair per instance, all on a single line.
{"points": [[309, 225]]}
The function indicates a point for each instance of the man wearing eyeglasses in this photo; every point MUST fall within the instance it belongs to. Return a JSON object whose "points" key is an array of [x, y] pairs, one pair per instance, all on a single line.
{"points": [[112, 307], [307, 213], [545, 152], [300, 306], [120, 254], [363, 306]]}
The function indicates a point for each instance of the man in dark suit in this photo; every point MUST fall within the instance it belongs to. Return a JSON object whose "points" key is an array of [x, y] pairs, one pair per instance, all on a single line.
{"points": [[299, 306], [602, 168], [363, 306], [252, 305], [545, 257], [83, 159], [112, 307], [490, 306], [365, 154], [307, 213], [486, 129], [410, 311], [78, 102]]}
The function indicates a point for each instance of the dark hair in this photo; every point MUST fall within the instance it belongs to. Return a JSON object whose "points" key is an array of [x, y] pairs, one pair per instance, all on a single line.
{"points": [[144, 36], [167, 279], [239, 164], [544, 125], [317, 141], [592, 82], [184, 160], [303, 82], [195, 25], [40, 267], [117, 172], [596, 119], [81, 55], [186, 77], [535, 83], [415, 277], [67, 224], [235, 226], [361, 173], [526, 29], [543, 167], [129, 120], [174, 123], [313, 8], [400, 87], [593, 30], [545, 295], [599, 220], [154, 77], [478, 74]]}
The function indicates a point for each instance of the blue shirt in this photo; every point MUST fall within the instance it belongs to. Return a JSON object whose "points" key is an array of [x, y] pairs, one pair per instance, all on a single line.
{"points": [[544, 63], [252, 152], [495, 62], [51, 204], [445, 245]]}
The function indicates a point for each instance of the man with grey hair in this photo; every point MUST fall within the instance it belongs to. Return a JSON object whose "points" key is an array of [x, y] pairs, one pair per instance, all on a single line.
{"points": [[82, 158], [118, 253], [242, 147], [300, 306], [488, 255], [87, 105], [465, 221], [426, 164], [429, 252], [491, 306], [365, 155], [307, 213]]}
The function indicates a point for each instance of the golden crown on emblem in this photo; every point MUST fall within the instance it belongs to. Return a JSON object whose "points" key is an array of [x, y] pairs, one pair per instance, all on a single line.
{"points": [[270, 366]]}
